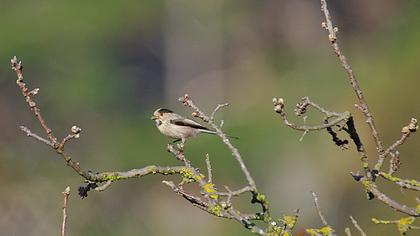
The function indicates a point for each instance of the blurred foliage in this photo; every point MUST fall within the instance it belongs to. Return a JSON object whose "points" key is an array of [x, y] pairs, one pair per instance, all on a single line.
{"points": [[103, 65]]}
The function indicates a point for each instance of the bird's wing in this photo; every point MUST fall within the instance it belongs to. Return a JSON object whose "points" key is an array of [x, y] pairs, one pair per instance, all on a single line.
{"points": [[189, 123]]}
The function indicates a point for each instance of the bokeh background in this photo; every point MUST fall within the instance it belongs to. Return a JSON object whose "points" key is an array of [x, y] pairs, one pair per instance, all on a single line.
{"points": [[106, 65]]}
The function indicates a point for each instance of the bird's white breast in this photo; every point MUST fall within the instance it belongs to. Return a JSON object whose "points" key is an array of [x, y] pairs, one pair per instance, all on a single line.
{"points": [[177, 131]]}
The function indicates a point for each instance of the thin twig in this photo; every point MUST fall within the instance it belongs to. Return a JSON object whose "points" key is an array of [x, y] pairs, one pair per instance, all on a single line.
{"points": [[318, 208], [103, 187], [257, 197], [397, 143], [406, 131], [394, 162], [236, 192], [403, 224], [403, 183], [35, 136], [372, 188], [66, 194], [195, 201], [332, 36], [209, 171], [347, 231], [74, 135], [17, 67], [213, 114], [179, 153], [188, 102], [302, 107], [357, 226]]}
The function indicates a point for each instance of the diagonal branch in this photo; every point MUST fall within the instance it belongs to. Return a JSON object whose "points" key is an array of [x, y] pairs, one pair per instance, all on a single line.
{"points": [[188, 102], [372, 188], [405, 133], [318, 208], [66, 194], [18, 68], [357, 226], [363, 106]]}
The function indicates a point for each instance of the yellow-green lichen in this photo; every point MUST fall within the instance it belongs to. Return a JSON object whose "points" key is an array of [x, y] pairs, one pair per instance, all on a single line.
{"points": [[215, 209], [385, 222], [261, 198], [275, 231], [365, 164], [404, 224], [289, 221], [390, 177], [190, 176], [211, 191], [111, 177], [312, 232], [324, 231], [286, 233], [411, 182], [368, 184]]}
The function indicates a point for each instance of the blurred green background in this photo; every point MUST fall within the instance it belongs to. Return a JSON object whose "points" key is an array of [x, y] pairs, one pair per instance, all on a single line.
{"points": [[106, 65]]}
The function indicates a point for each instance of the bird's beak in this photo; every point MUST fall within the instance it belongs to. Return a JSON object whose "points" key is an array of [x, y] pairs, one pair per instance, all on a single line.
{"points": [[153, 117]]}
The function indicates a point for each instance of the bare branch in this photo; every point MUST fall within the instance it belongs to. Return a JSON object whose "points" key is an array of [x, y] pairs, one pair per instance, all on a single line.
{"points": [[103, 187], [339, 117], [394, 162], [406, 131], [318, 208], [74, 135], [213, 114], [257, 197], [17, 67], [195, 201], [347, 231], [403, 224], [373, 189], [66, 194], [363, 106], [237, 192], [188, 102], [403, 183], [210, 176], [357, 226], [179, 153], [35, 136]]}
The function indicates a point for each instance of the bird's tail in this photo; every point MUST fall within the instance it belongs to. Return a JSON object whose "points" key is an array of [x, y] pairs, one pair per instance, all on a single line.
{"points": [[214, 132]]}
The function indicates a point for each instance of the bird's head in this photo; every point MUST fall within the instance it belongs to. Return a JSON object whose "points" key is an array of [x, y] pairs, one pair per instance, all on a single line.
{"points": [[160, 114]]}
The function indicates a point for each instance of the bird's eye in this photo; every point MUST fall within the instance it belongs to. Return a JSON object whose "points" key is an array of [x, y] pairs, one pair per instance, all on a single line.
{"points": [[160, 114]]}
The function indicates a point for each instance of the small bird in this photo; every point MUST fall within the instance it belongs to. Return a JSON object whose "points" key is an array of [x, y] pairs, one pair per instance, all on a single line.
{"points": [[175, 126]]}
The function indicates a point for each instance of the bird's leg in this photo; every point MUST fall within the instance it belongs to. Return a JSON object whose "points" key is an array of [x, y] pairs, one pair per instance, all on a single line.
{"points": [[176, 140]]}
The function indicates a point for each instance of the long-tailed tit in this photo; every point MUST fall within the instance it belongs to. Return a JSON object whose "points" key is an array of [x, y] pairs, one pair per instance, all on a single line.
{"points": [[178, 127]]}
